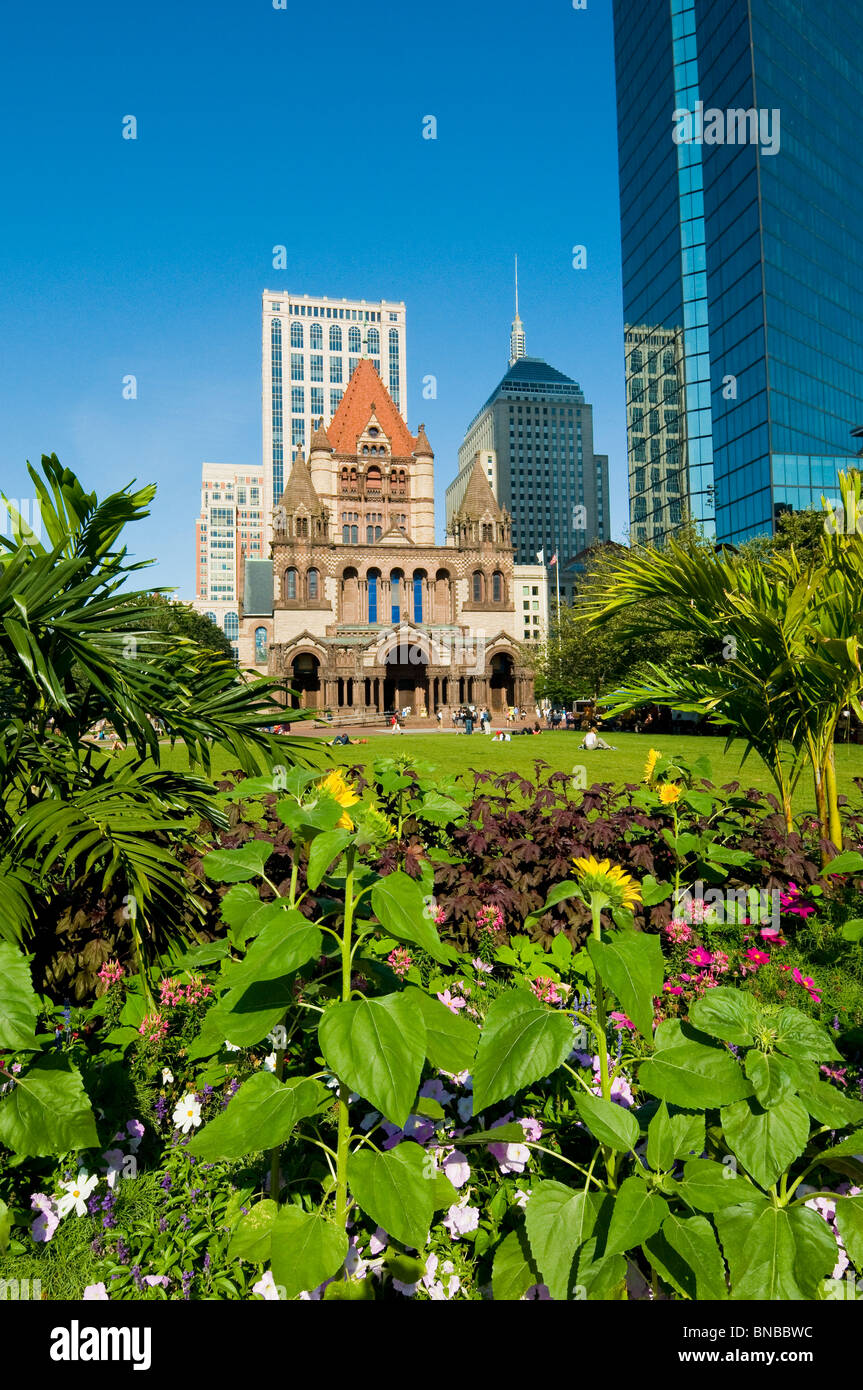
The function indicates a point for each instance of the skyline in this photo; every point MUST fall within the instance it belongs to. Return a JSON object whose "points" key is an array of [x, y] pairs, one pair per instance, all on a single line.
{"points": [[149, 257]]}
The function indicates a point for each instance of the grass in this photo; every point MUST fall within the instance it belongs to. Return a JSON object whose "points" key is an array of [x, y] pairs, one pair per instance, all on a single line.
{"points": [[455, 754]]}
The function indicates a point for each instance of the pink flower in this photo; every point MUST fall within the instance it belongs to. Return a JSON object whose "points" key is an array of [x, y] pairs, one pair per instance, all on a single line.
{"points": [[757, 957], [48, 1219], [481, 966], [154, 1027], [400, 961], [170, 992], [440, 916], [457, 1168], [154, 1279], [95, 1293], [700, 956], [490, 919], [621, 1021], [453, 1002], [196, 990], [532, 1129], [462, 1218], [545, 990], [678, 931], [672, 989], [111, 972]]}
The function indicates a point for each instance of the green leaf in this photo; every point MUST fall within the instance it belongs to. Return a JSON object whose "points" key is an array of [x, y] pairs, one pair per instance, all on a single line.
{"points": [[608, 1122], [351, 1290], [408, 1269], [558, 894], [287, 942], [399, 905], [851, 862], [501, 1134], [688, 1131], [774, 1077], [694, 1075], [451, 1039], [558, 1219], [19, 1005], [653, 892], [831, 1106], [599, 1277], [5, 1227], [378, 1047], [849, 1223], [261, 1116], [775, 1253], [513, 1270], [638, 1213], [305, 1250], [800, 1036], [661, 1144], [522, 1042], [729, 1014], [699, 1267], [237, 865], [852, 931], [766, 1141], [252, 1234], [439, 810], [709, 1186], [323, 850], [48, 1111], [395, 1188], [238, 903], [632, 965]]}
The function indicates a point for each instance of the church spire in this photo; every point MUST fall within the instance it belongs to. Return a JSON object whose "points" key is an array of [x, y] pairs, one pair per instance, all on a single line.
{"points": [[516, 337]]}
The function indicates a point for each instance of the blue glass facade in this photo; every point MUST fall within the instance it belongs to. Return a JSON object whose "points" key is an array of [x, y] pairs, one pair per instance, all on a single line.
{"points": [[742, 254]]}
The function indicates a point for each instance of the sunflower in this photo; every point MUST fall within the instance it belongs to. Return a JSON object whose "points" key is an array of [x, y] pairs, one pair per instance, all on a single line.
{"points": [[601, 876], [652, 759], [669, 793], [340, 790]]}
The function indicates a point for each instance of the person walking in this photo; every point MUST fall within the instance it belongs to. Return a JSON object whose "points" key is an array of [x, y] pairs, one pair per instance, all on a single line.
{"points": [[468, 721]]}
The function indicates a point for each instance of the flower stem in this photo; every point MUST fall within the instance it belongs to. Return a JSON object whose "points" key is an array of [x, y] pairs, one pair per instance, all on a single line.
{"points": [[601, 1040], [344, 1138]]}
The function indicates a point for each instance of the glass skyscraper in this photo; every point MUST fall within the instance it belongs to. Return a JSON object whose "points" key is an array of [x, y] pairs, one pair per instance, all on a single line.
{"points": [[742, 230]]}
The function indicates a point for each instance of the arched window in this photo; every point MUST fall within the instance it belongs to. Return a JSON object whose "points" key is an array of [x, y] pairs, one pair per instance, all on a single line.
{"points": [[260, 646], [335, 338], [344, 481], [373, 577], [374, 482], [290, 584], [296, 335], [395, 595], [312, 582], [232, 627], [355, 340], [316, 336], [302, 526], [487, 532], [211, 616], [419, 579], [497, 587], [477, 586], [374, 341], [365, 448]]}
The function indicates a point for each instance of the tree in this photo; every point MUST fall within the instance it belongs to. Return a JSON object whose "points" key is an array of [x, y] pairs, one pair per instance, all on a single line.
{"points": [[69, 658], [156, 612]]}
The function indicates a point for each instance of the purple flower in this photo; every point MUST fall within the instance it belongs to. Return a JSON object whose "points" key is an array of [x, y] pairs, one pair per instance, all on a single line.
{"points": [[165, 1184], [187, 1283], [123, 1252], [163, 1224]]}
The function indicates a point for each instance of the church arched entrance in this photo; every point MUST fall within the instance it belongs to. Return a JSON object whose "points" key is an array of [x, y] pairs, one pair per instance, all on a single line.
{"points": [[502, 682], [305, 682], [406, 682]]}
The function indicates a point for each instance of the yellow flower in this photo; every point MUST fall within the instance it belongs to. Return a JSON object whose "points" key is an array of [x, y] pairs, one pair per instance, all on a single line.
{"points": [[669, 793], [334, 784], [601, 876], [652, 759]]}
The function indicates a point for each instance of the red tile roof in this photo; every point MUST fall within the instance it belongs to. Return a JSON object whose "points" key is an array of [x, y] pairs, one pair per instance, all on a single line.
{"points": [[366, 395]]}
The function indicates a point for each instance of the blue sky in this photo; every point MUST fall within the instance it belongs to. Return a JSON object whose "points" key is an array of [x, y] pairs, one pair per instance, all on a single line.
{"points": [[259, 127]]}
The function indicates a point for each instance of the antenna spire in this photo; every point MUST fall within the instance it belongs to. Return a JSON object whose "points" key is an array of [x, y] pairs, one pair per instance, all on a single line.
{"points": [[516, 338]]}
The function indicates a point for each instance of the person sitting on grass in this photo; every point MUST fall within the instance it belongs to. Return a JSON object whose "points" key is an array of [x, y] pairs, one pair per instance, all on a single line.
{"points": [[592, 740]]}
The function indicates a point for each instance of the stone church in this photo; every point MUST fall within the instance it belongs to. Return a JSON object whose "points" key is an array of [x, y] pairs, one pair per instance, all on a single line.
{"points": [[358, 610]]}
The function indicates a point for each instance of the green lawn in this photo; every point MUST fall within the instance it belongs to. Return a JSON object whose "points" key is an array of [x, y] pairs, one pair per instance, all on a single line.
{"points": [[454, 753]]}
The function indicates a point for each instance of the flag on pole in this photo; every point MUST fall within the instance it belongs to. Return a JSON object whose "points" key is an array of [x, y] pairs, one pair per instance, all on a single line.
{"points": [[540, 559], [553, 560]]}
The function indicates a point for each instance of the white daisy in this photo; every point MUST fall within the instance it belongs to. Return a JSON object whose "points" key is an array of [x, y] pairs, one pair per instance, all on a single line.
{"points": [[76, 1194], [187, 1113]]}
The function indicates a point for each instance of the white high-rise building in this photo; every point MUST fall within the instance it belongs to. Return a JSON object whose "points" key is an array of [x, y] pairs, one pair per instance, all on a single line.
{"points": [[311, 348], [229, 531]]}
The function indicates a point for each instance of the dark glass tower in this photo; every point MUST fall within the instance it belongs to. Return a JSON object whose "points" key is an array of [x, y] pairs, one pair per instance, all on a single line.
{"points": [[742, 233]]}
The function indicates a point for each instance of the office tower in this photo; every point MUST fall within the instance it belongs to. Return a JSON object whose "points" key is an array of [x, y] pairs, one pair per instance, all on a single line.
{"points": [[533, 439], [741, 213], [229, 531], [311, 348]]}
